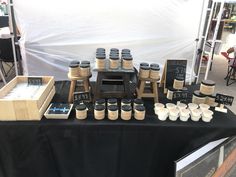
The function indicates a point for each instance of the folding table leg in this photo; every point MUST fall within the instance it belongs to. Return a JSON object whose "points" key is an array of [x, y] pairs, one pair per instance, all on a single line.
{"points": [[3, 78]]}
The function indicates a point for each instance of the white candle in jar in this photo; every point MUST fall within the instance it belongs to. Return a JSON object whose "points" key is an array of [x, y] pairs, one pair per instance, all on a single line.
{"points": [[163, 114], [173, 114], [184, 114], [207, 115], [196, 114]]}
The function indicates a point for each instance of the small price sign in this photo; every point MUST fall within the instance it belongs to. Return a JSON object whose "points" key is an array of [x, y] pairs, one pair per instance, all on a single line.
{"points": [[224, 99], [180, 95], [35, 81], [81, 96]]}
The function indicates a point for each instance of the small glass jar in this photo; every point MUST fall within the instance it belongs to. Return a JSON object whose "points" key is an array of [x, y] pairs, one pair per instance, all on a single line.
{"points": [[163, 114], [100, 61], [74, 70], [184, 114], [144, 71], [112, 101], [127, 62], [126, 112], [100, 102], [137, 102], [154, 72], [113, 112], [139, 112], [207, 115], [173, 114], [211, 100], [170, 93], [196, 114], [178, 84], [99, 112], [207, 87], [84, 70], [198, 98], [81, 111], [114, 61], [125, 101]]}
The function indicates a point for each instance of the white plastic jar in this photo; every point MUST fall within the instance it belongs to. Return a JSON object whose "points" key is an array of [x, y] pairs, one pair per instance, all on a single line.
{"points": [[196, 115], [173, 114], [158, 106], [163, 114], [170, 106], [184, 114], [192, 106], [181, 106], [207, 115], [204, 107]]}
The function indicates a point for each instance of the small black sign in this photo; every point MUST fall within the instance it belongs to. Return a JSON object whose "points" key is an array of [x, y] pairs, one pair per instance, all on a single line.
{"points": [[180, 95], [81, 96], [224, 99], [35, 81]]}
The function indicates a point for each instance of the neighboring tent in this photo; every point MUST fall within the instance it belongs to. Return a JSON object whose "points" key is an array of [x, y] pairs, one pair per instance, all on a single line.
{"points": [[55, 33]]}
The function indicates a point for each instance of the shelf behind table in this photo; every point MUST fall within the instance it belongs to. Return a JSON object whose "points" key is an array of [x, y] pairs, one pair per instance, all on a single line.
{"points": [[99, 148]]}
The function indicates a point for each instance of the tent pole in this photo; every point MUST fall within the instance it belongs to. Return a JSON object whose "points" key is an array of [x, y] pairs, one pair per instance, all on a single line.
{"points": [[214, 38]]}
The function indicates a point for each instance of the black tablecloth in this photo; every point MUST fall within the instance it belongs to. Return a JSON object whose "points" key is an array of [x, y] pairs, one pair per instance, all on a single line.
{"points": [[89, 148]]}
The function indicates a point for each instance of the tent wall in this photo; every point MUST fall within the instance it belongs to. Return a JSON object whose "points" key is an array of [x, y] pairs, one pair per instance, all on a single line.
{"points": [[55, 33]]}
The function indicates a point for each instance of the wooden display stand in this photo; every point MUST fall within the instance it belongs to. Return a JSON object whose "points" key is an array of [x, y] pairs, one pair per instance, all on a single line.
{"points": [[154, 88], [85, 85]]}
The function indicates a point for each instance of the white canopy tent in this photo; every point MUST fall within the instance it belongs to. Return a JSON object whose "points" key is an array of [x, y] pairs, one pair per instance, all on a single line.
{"points": [[55, 33]]}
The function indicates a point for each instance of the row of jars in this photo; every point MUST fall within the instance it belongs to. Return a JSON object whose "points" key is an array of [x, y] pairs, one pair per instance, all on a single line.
{"points": [[149, 71], [183, 112], [113, 110], [79, 69], [114, 59]]}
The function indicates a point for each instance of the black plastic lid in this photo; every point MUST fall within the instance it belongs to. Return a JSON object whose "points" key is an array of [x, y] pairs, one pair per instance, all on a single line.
{"points": [[84, 65], [114, 57], [100, 49], [75, 62], [140, 108], [81, 107], [100, 101], [172, 89], [114, 50], [208, 82], [198, 94], [138, 101], [112, 100], [100, 56], [112, 108], [126, 57], [155, 68], [144, 64], [126, 101], [212, 96], [145, 67], [154, 64], [125, 51], [184, 89], [179, 79], [85, 62], [73, 65], [126, 108], [99, 107]]}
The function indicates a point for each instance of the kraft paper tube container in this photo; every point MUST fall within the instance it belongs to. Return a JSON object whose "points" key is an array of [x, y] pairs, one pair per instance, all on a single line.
{"points": [[144, 72], [84, 70], [99, 112], [114, 61], [112, 101], [207, 115], [207, 87], [126, 112], [192, 106], [81, 111], [74, 70], [173, 114], [184, 114], [178, 84], [162, 114], [100, 61], [154, 72], [125, 101], [100, 102], [196, 114], [198, 98], [139, 112], [113, 112]]}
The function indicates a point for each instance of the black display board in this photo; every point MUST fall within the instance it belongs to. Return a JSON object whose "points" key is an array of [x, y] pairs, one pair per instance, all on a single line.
{"points": [[180, 96], [174, 69], [81, 96], [224, 99]]}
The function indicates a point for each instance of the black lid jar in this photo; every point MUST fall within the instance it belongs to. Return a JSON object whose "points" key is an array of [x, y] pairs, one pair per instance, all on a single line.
{"points": [[198, 98], [126, 112], [75, 62], [207, 87], [112, 112], [112, 101], [144, 64], [81, 111], [99, 112], [125, 101], [100, 102], [139, 112]]}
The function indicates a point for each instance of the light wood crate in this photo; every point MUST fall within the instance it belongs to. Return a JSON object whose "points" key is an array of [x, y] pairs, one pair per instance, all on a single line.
{"points": [[26, 109]]}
